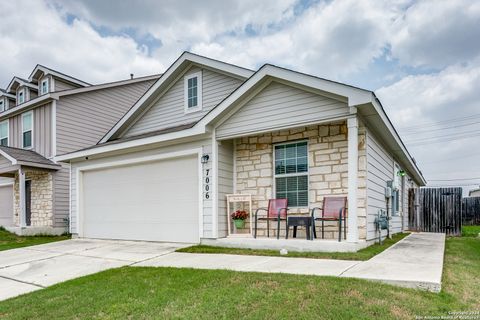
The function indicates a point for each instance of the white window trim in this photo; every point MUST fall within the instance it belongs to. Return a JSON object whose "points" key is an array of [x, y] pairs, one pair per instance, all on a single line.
{"points": [[44, 80], [8, 132], [4, 105], [307, 173], [397, 178], [32, 129], [199, 106], [23, 91]]}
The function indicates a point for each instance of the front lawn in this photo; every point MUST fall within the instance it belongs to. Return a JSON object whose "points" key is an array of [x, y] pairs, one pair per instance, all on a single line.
{"points": [[363, 254], [166, 293], [10, 240], [470, 231]]}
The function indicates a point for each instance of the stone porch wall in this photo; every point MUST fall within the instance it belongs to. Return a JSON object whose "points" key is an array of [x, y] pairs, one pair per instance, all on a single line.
{"points": [[328, 170], [41, 197]]}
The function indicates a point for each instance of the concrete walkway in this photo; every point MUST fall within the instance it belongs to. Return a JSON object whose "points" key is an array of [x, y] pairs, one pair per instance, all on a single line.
{"points": [[31, 268], [415, 262]]}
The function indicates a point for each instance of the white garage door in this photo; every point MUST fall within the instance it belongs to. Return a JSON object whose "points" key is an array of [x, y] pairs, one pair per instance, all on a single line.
{"points": [[155, 201], [6, 205]]}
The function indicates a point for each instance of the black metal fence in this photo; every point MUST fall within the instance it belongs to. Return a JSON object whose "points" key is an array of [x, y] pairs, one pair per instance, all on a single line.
{"points": [[436, 210], [471, 211]]}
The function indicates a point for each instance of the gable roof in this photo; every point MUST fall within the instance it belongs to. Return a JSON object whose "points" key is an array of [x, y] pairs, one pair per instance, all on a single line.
{"points": [[358, 100], [27, 158], [17, 81], [45, 70], [185, 60], [45, 98], [3, 92]]}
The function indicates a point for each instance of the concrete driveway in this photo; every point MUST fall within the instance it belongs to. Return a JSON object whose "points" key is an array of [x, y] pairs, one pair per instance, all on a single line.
{"points": [[28, 269]]}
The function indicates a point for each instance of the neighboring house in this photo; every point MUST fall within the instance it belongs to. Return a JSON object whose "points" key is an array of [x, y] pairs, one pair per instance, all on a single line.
{"points": [[474, 193], [269, 133], [50, 114]]}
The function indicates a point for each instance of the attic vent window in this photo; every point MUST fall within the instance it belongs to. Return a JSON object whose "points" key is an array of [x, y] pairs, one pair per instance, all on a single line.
{"points": [[193, 92]]}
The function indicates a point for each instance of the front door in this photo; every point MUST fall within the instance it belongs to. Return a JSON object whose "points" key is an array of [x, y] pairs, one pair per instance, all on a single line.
{"points": [[28, 202]]}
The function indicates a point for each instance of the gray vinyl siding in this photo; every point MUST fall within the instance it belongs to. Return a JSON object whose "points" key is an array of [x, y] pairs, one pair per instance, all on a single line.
{"points": [[205, 144], [42, 130], [380, 168], [279, 105], [62, 85], [168, 110], [4, 163], [61, 196], [84, 118], [225, 184]]}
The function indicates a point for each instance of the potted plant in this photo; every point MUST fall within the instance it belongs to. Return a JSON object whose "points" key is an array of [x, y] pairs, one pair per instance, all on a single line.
{"points": [[239, 218]]}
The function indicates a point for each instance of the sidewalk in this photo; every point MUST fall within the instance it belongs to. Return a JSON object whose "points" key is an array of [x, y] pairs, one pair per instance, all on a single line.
{"points": [[414, 262]]}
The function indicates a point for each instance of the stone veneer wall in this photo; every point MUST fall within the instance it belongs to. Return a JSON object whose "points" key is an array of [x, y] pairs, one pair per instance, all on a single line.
{"points": [[328, 169], [42, 198]]}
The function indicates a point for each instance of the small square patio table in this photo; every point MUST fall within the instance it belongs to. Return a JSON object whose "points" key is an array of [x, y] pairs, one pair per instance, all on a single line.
{"points": [[299, 221]]}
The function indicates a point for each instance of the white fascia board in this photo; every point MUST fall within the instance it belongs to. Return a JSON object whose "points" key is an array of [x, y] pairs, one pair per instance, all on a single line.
{"points": [[379, 109], [8, 157], [46, 71], [21, 82], [29, 104], [131, 144], [58, 94], [186, 56], [8, 95]]}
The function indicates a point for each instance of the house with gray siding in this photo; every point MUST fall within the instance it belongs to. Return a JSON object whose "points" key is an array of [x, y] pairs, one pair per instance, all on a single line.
{"points": [[207, 129], [48, 114]]}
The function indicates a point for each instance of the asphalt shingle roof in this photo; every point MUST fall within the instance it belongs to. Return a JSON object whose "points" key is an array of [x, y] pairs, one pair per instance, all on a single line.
{"points": [[23, 155]]}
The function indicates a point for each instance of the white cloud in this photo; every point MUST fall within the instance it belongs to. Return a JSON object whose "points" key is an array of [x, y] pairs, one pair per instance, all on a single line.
{"points": [[435, 34], [75, 49]]}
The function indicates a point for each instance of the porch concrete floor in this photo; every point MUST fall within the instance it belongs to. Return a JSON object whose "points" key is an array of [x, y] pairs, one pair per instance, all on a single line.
{"points": [[292, 244], [414, 262]]}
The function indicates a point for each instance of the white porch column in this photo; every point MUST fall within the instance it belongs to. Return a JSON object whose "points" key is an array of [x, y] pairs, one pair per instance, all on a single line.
{"points": [[21, 188], [352, 124]]}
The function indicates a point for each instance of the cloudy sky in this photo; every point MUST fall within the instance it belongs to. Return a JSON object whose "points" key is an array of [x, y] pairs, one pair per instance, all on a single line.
{"points": [[422, 58]]}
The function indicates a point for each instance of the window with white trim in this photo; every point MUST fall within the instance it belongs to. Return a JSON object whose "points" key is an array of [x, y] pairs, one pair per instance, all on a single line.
{"points": [[193, 92], [21, 96], [44, 86], [291, 173], [27, 130], [4, 133], [2, 105], [397, 193]]}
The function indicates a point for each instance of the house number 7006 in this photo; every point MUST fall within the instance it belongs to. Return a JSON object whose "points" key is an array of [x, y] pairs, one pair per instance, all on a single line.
{"points": [[207, 184]]}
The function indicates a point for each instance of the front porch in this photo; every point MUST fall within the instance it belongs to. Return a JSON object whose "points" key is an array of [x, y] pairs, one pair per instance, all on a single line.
{"points": [[305, 165], [32, 183]]}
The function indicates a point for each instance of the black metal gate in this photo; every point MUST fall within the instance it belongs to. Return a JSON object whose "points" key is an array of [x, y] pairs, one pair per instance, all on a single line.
{"points": [[436, 210]]}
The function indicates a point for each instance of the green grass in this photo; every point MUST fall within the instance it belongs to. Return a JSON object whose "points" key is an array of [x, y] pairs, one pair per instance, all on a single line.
{"points": [[168, 293], [363, 254], [470, 231], [11, 241]]}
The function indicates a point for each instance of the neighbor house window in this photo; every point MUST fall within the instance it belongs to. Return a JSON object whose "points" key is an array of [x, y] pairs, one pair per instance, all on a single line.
{"points": [[193, 92], [21, 97], [44, 86], [27, 130], [4, 133], [291, 173], [2, 105]]}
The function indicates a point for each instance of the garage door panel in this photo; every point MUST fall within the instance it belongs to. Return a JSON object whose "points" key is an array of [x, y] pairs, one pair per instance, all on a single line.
{"points": [[6, 205], [155, 201]]}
